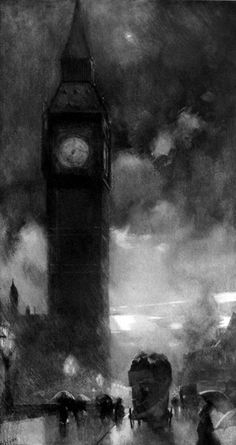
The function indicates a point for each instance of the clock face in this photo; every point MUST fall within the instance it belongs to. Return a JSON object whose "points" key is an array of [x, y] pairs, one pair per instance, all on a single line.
{"points": [[72, 152]]}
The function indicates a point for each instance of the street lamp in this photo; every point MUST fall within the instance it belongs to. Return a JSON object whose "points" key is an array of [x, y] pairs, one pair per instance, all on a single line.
{"points": [[7, 347]]}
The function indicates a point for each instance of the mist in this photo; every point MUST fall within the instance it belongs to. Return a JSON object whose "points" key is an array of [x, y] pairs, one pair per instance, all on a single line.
{"points": [[167, 74]]}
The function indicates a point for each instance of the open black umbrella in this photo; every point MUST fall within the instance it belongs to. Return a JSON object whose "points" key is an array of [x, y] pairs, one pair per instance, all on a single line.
{"points": [[83, 398], [82, 402], [218, 399], [65, 398], [62, 396]]}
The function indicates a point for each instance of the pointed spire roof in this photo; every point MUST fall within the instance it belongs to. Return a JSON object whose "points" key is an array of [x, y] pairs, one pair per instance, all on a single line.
{"points": [[14, 295], [76, 59], [77, 46]]}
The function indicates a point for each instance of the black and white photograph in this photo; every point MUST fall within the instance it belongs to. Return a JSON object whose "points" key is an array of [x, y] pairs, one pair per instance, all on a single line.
{"points": [[117, 222]]}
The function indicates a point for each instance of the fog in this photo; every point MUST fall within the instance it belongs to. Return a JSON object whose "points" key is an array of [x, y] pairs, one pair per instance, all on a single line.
{"points": [[167, 74]]}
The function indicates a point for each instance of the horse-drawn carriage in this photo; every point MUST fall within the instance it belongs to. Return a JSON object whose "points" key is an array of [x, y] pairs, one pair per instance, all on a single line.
{"points": [[150, 378]]}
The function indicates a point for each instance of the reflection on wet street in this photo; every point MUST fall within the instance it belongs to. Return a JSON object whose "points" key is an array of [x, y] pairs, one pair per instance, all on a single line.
{"points": [[46, 431], [181, 433]]}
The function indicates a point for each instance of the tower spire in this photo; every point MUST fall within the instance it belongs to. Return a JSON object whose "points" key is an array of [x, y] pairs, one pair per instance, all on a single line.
{"points": [[76, 61], [14, 298]]}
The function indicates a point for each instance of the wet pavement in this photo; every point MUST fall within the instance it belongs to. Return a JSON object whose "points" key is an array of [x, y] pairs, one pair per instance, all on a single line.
{"points": [[46, 431], [183, 432]]}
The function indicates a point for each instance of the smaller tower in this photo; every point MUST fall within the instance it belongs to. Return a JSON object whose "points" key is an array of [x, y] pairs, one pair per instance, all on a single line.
{"points": [[14, 299]]}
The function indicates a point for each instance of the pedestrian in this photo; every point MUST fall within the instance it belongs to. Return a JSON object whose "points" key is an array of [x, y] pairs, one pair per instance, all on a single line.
{"points": [[119, 410], [175, 402], [170, 416], [205, 429], [63, 413], [182, 401], [63, 418]]}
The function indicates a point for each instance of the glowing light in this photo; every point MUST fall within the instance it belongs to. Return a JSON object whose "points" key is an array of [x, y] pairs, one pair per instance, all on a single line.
{"points": [[173, 344], [224, 321], [163, 247], [129, 37], [100, 380], [71, 366], [176, 326], [124, 322], [225, 297], [167, 303], [155, 317]]}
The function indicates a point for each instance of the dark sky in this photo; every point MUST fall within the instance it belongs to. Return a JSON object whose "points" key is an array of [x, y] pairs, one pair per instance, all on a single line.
{"points": [[167, 71], [153, 61]]}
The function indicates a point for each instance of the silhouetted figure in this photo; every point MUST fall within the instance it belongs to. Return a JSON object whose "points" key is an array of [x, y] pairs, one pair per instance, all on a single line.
{"points": [[205, 429], [119, 411], [170, 416], [63, 413], [77, 409], [175, 403], [104, 406], [63, 418]]}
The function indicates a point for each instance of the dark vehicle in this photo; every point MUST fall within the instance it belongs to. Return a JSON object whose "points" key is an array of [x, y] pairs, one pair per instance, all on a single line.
{"points": [[104, 405], [150, 378]]}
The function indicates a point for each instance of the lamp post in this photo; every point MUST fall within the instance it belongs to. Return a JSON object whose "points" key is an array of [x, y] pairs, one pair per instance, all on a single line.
{"points": [[7, 347]]}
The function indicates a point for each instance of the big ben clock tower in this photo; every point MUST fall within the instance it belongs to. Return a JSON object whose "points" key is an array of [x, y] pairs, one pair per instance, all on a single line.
{"points": [[76, 163]]}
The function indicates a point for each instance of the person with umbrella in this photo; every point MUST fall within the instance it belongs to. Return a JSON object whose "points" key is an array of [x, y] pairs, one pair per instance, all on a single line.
{"points": [[214, 400], [66, 404], [205, 429], [80, 407]]}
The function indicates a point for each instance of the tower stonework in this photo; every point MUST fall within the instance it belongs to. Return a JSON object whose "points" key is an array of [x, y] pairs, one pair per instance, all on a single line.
{"points": [[76, 163]]}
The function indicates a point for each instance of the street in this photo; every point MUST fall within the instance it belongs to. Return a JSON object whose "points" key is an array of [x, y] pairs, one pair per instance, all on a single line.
{"points": [[182, 433], [45, 431]]}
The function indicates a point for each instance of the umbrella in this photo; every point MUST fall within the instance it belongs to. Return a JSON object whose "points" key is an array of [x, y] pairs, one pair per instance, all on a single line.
{"points": [[226, 421], [83, 398], [63, 396], [218, 399], [82, 402]]}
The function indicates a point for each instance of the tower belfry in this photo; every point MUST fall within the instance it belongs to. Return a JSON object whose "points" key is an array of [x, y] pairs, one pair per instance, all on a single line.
{"points": [[76, 164]]}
